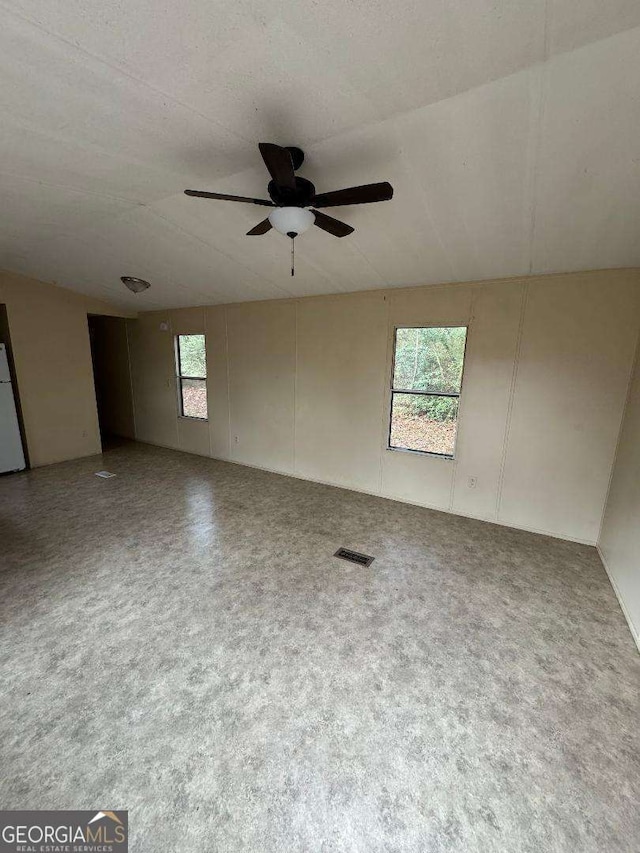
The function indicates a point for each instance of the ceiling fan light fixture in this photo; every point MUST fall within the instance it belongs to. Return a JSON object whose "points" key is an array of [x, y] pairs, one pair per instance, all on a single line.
{"points": [[135, 285], [291, 220], [294, 200]]}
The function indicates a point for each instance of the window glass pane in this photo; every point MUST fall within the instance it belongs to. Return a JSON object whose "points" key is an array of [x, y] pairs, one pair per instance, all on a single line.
{"points": [[424, 422], [194, 398], [429, 359], [193, 359]]}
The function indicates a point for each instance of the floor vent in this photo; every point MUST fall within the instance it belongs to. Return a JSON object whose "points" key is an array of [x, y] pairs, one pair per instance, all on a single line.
{"points": [[353, 557]]}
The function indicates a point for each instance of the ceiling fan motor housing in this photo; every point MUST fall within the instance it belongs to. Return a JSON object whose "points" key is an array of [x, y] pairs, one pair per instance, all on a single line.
{"points": [[301, 196], [293, 200]]}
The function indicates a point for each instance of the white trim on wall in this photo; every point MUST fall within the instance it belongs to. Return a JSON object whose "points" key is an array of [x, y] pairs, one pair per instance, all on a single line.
{"points": [[635, 366], [635, 632], [351, 487], [512, 392]]}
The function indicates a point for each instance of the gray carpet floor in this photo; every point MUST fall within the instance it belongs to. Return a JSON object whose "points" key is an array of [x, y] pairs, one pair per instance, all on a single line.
{"points": [[178, 641]]}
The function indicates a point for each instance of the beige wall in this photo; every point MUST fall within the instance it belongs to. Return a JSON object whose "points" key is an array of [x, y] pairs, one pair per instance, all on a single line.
{"points": [[619, 543], [51, 351], [301, 387]]}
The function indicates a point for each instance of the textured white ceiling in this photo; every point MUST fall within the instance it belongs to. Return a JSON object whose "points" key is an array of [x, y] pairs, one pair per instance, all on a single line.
{"points": [[510, 130]]}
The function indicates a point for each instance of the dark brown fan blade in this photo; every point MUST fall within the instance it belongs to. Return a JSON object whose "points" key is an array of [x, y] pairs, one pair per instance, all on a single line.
{"points": [[279, 163], [355, 195], [225, 197], [260, 228], [333, 226]]}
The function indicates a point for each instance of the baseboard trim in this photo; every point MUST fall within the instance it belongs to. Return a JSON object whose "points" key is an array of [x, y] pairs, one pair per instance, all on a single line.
{"points": [[634, 632], [398, 498]]}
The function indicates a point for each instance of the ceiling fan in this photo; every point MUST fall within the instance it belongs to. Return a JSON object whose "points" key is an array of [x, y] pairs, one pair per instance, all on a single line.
{"points": [[294, 200]]}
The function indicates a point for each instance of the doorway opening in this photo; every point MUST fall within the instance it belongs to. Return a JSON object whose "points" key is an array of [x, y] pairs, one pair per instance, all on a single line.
{"points": [[112, 379], [13, 444]]}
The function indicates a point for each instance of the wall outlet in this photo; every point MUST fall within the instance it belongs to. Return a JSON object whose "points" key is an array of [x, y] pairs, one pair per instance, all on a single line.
{"points": [[472, 482], [236, 439]]}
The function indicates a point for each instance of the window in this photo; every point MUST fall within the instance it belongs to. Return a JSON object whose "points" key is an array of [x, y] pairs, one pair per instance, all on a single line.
{"points": [[191, 363], [425, 389]]}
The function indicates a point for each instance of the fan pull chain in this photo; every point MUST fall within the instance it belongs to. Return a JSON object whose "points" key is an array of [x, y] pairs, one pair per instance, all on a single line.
{"points": [[293, 255]]}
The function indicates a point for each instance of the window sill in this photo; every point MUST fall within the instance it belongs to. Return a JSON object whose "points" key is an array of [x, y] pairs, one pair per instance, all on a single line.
{"points": [[193, 418], [427, 453]]}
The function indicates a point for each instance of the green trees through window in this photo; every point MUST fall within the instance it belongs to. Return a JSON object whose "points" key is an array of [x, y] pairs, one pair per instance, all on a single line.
{"points": [[426, 382], [191, 362]]}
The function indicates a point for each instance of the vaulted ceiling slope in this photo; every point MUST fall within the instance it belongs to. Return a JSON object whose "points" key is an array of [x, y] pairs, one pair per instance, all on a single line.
{"points": [[510, 130]]}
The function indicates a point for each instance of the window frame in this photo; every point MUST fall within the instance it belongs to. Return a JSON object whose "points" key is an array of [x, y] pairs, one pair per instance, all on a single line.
{"points": [[180, 376], [392, 391]]}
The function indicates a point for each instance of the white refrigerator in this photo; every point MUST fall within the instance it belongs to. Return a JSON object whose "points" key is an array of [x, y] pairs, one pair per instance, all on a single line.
{"points": [[11, 453]]}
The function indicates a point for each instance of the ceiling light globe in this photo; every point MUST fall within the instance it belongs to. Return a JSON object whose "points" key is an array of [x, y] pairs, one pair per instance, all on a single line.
{"points": [[135, 285], [291, 220]]}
